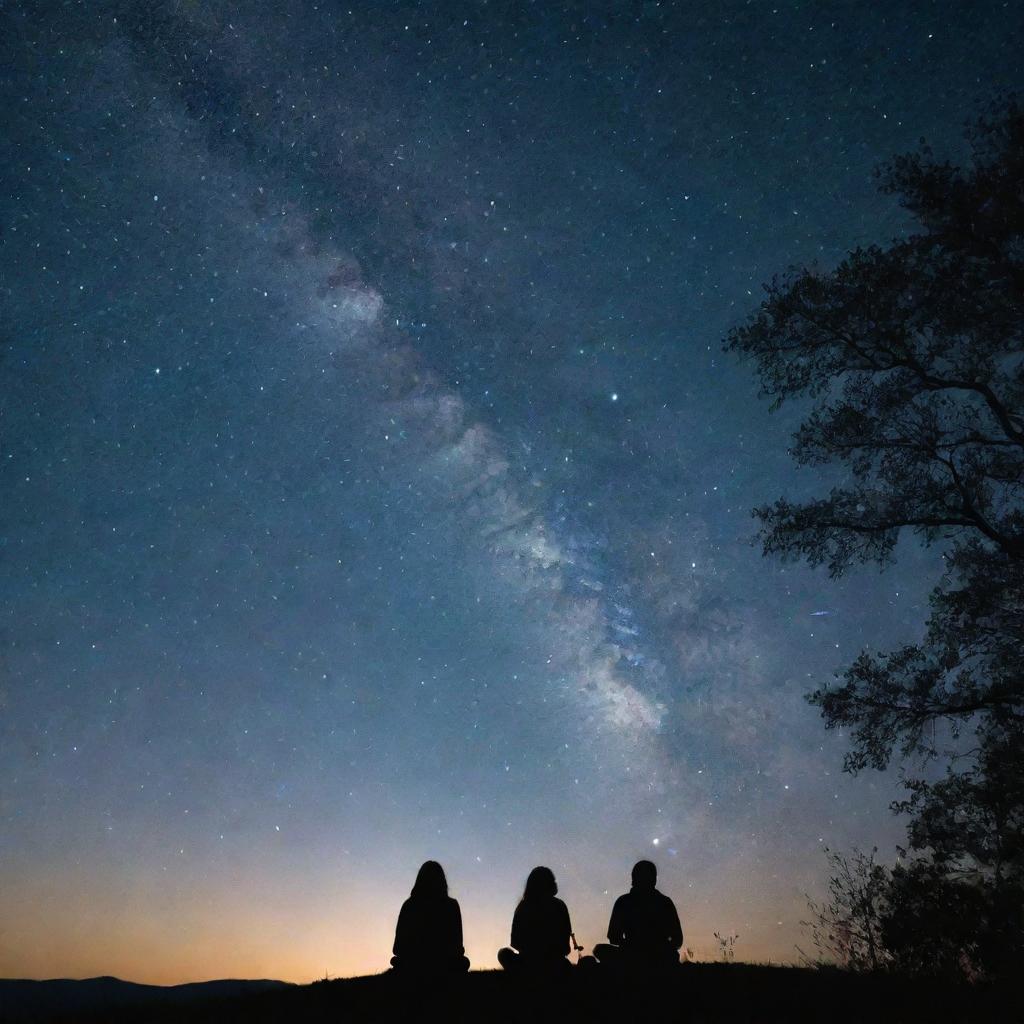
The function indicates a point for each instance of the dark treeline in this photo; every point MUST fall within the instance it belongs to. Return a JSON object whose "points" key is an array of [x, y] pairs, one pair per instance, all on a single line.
{"points": [[912, 357]]}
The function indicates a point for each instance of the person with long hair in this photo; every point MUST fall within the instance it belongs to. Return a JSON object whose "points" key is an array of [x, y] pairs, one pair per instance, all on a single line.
{"points": [[428, 937], [541, 928]]}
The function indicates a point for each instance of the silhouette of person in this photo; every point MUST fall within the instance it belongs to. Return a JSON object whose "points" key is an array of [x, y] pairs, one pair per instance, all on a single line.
{"points": [[540, 928], [428, 937], [644, 929]]}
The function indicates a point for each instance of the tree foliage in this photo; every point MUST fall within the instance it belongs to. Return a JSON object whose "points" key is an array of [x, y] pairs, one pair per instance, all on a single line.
{"points": [[846, 929], [912, 357]]}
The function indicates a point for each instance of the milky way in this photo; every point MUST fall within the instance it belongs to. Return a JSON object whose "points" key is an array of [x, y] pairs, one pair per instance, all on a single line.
{"points": [[374, 484]]}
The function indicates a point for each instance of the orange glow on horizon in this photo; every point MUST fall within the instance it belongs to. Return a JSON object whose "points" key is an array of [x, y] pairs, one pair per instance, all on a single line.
{"points": [[138, 927]]}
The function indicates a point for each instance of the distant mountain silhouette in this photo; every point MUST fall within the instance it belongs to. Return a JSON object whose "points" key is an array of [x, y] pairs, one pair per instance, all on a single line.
{"points": [[64, 998], [694, 994]]}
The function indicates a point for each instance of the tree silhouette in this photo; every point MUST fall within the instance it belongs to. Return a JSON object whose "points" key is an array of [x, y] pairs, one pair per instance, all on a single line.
{"points": [[847, 928], [912, 355]]}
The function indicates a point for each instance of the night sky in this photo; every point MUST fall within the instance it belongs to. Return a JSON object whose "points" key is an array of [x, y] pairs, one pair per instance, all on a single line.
{"points": [[373, 486]]}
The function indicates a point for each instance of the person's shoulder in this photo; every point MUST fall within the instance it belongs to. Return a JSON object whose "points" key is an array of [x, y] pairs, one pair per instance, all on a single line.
{"points": [[667, 900]]}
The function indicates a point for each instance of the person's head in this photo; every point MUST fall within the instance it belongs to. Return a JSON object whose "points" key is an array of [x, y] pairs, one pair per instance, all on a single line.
{"points": [[540, 884], [645, 875], [430, 881]]}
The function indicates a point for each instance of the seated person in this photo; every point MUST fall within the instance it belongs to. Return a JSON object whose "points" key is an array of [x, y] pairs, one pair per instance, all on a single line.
{"points": [[428, 938], [540, 928], [644, 929]]}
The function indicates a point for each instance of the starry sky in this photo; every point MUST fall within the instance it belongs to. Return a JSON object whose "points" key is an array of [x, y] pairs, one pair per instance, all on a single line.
{"points": [[374, 487]]}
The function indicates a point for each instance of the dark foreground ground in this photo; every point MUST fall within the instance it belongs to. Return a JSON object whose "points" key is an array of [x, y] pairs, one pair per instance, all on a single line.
{"points": [[695, 993]]}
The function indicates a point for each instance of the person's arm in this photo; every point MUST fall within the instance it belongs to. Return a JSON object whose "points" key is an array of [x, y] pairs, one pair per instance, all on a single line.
{"points": [[401, 930], [517, 928], [567, 929], [457, 927], [617, 923], [675, 928]]}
